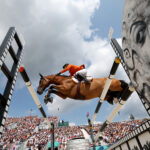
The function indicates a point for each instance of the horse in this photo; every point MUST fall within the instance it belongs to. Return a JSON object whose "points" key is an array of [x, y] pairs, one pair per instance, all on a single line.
{"points": [[64, 87]]}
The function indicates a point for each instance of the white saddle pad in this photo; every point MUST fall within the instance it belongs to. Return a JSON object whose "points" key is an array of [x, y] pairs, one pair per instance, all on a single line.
{"points": [[89, 78], [75, 80]]}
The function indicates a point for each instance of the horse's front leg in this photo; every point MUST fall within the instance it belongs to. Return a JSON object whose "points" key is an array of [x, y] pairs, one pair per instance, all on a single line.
{"points": [[55, 89], [47, 97], [58, 90], [59, 94], [50, 90]]}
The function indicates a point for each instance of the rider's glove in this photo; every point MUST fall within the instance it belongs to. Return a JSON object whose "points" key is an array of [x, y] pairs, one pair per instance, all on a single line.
{"points": [[58, 74]]}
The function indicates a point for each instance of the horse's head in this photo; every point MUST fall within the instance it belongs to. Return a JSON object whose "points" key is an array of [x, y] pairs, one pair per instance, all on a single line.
{"points": [[43, 84], [45, 81]]}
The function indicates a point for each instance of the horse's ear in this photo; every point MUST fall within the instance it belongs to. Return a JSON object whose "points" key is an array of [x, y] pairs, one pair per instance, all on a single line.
{"points": [[41, 76]]}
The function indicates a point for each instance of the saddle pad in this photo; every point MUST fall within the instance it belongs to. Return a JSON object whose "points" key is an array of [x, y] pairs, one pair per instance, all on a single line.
{"points": [[75, 80], [89, 78]]}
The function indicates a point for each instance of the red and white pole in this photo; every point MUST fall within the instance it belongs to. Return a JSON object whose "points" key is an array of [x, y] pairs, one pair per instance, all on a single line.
{"points": [[33, 93]]}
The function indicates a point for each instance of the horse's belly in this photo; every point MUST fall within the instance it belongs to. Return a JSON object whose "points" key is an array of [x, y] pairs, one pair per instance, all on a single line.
{"points": [[90, 94]]}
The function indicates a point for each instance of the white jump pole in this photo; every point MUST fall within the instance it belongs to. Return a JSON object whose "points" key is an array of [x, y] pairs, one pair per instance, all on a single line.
{"points": [[33, 94], [106, 87], [124, 97]]}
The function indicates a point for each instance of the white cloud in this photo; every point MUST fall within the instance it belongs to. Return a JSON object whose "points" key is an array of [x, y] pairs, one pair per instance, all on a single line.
{"points": [[60, 106]]}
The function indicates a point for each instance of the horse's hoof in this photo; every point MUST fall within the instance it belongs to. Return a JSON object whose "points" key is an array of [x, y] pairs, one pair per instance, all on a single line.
{"points": [[45, 96], [45, 101], [50, 99]]}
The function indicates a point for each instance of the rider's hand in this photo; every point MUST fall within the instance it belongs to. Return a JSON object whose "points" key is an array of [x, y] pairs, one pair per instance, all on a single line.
{"points": [[58, 74]]}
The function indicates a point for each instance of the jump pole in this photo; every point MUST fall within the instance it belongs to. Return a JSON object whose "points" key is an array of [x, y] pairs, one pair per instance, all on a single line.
{"points": [[33, 94], [106, 87], [124, 97]]}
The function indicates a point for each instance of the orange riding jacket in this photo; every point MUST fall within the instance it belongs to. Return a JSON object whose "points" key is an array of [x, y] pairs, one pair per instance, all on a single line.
{"points": [[72, 69]]}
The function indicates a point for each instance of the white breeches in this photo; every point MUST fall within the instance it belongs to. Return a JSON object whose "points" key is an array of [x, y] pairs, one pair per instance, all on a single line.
{"points": [[82, 72]]}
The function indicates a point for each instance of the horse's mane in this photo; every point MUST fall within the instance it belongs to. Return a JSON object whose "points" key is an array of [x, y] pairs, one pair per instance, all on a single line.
{"points": [[63, 76]]}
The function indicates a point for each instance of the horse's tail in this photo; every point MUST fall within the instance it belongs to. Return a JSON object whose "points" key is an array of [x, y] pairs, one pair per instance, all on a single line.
{"points": [[123, 84], [116, 94]]}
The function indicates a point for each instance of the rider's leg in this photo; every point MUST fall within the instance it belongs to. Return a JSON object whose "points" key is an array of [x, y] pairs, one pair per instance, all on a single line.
{"points": [[78, 77], [81, 74]]}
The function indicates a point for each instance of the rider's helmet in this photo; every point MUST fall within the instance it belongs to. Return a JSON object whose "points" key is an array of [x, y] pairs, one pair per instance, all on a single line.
{"points": [[65, 65], [83, 66]]}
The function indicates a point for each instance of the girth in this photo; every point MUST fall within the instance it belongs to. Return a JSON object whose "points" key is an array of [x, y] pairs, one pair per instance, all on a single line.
{"points": [[78, 94]]}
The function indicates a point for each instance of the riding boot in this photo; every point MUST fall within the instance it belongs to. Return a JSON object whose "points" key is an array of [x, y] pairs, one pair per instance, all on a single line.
{"points": [[86, 80], [79, 77], [82, 78]]}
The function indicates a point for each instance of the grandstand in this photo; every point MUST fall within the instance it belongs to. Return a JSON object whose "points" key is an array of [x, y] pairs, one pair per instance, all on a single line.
{"points": [[22, 132]]}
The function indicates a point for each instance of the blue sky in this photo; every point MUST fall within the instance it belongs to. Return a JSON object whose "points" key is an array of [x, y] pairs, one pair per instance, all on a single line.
{"points": [[108, 15], [55, 33]]}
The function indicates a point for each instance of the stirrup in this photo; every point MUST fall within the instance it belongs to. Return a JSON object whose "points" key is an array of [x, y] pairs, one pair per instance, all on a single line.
{"points": [[75, 80]]}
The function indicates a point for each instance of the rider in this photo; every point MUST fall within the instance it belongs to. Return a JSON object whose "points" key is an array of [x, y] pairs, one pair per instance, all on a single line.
{"points": [[78, 72]]}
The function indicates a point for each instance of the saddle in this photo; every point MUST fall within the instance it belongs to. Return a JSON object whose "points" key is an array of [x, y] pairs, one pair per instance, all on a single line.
{"points": [[78, 81]]}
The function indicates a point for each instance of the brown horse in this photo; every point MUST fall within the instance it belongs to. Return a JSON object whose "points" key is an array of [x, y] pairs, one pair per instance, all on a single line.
{"points": [[64, 87]]}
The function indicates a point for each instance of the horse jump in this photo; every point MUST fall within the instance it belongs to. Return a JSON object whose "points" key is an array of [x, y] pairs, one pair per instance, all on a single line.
{"points": [[106, 87], [32, 92], [125, 95]]}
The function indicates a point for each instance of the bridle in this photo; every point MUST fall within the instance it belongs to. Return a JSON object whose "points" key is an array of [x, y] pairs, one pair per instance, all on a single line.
{"points": [[43, 89]]}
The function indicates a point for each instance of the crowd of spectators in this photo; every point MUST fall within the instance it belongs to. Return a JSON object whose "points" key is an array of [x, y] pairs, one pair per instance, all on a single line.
{"points": [[33, 132], [116, 130]]}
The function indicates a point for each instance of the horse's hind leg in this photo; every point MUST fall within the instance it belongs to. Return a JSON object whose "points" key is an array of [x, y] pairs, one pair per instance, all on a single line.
{"points": [[113, 96]]}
